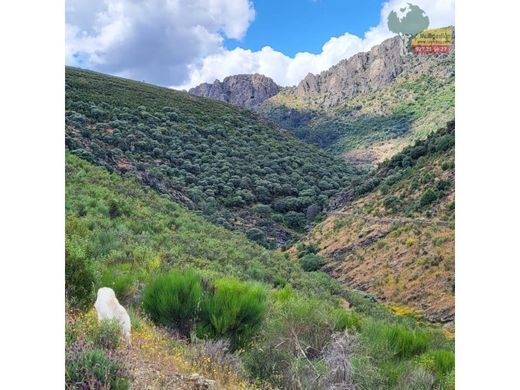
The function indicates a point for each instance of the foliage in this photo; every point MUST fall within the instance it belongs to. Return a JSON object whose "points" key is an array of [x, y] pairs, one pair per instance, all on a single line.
{"points": [[80, 274], [310, 262], [174, 299], [92, 369], [92, 360], [153, 235], [107, 335], [210, 156], [234, 310]]}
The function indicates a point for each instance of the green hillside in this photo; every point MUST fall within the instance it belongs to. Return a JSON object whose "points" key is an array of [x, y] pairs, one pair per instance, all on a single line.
{"points": [[124, 235], [371, 127], [212, 157]]}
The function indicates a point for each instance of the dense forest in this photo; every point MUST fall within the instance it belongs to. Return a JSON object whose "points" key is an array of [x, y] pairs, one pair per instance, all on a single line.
{"points": [[219, 160]]}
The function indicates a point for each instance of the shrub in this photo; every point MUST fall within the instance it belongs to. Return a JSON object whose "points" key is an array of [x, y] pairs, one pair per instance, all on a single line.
{"points": [[344, 319], [123, 284], [310, 262], [288, 350], [94, 369], [440, 361], [174, 299], [396, 340], [429, 196], [234, 310], [80, 275], [107, 334]]}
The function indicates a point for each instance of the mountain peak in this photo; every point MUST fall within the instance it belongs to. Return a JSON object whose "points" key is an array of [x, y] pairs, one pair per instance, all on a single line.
{"points": [[244, 90]]}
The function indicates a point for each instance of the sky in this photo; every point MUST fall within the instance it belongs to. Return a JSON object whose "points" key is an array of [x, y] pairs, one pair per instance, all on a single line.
{"points": [[182, 43]]}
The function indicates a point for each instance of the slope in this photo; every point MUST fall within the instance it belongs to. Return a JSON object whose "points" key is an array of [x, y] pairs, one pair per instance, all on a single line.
{"points": [[212, 157], [394, 235], [121, 234], [370, 106]]}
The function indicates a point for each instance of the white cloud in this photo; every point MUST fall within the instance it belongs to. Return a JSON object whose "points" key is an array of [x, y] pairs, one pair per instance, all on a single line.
{"points": [[180, 42], [290, 70], [154, 40]]}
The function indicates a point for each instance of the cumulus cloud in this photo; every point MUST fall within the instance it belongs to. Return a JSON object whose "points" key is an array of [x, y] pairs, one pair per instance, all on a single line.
{"points": [[154, 40], [179, 43]]}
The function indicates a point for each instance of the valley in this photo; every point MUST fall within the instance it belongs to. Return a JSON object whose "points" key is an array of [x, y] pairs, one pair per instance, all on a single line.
{"points": [[266, 237]]}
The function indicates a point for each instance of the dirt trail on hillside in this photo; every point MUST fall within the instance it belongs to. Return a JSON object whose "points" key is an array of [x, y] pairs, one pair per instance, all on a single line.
{"points": [[415, 221]]}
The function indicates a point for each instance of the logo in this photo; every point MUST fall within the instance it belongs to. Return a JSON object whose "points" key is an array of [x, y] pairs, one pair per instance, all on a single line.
{"points": [[411, 23], [435, 41]]}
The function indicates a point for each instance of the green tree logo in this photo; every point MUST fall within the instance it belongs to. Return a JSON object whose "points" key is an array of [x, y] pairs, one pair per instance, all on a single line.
{"points": [[412, 23]]}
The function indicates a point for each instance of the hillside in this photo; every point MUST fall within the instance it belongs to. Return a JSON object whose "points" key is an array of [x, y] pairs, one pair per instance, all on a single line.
{"points": [[219, 160], [122, 234], [365, 109], [393, 235], [370, 106]]}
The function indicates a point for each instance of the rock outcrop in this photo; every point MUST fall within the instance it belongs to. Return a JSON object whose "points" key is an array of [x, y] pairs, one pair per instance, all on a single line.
{"points": [[363, 72], [244, 90]]}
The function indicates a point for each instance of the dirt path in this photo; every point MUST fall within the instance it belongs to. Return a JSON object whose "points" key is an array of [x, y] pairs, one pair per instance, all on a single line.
{"points": [[414, 221]]}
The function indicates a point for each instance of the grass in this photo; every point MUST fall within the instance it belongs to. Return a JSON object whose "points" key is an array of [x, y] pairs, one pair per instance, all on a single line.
{"points": [[149, 235]]}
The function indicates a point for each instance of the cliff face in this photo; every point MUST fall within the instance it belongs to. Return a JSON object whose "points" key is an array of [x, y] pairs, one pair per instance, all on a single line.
{"points": [[361, 73], [244, 90]]}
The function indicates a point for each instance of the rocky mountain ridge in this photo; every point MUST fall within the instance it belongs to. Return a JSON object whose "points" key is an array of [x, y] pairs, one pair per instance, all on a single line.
{"points": [[244, 90]]}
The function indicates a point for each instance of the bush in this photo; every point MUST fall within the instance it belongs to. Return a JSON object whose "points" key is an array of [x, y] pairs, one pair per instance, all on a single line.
{"points": [[234, 310], [94, 369], [429, 196], [107, 334], [441, 361], [396, 340], [310, 262], [80, 276], [288, 350], [344, 319], [124, 284], [174, 299]]}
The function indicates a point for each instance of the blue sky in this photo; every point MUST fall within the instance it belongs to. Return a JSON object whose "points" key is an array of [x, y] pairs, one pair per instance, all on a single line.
{"points": [[183, 43], [292, 26]]}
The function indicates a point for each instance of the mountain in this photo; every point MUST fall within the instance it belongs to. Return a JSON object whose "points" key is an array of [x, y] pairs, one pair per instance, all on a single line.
{"points": [[393, 235], [212, 157], [244, 90], [370, 106]]}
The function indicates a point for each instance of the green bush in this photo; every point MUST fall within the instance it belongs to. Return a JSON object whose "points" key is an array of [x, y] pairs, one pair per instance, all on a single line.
{"points": [[429, 196], [107, 334], [294, 324], [80, 275], [174, 299], [94, 369], [124, 284], [344, 319], [441, 361], [234, 310], [310, 262], [396, 340]]}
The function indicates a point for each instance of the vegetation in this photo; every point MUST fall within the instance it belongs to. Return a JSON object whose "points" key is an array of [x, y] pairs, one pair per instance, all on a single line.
{"points": [[394, 235], [174, 299], [217, 159], [289, 325], [416, 104]]}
